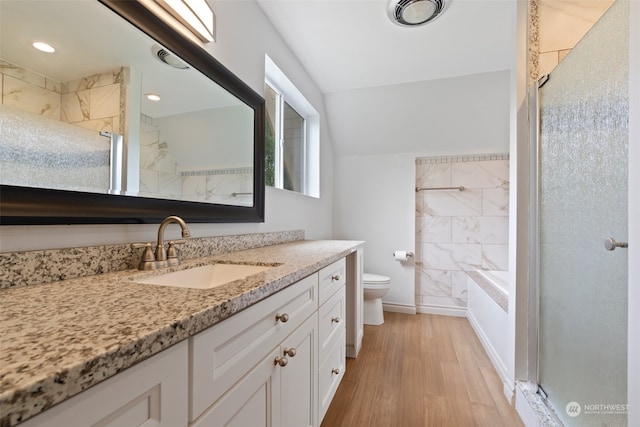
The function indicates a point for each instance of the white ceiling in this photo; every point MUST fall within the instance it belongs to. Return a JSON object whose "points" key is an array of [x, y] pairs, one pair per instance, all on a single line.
{"points": [[84, 49], [352, 44]]}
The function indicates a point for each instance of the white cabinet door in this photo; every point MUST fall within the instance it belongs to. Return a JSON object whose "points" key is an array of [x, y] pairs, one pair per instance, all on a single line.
{"points": [[254, 401], [221, 355], [279, 391], [152, 393], [299, 378]]}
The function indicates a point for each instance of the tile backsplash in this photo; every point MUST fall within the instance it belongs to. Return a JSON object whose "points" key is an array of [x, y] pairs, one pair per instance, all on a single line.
{"points": [[459, 231], [44, 266]]}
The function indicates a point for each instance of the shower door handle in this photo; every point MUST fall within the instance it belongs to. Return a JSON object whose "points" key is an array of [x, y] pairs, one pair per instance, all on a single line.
{"points": [[610, 244]]}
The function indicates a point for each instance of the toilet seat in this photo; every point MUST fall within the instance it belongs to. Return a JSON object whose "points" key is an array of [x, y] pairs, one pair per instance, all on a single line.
{"points": [[375, 279]]}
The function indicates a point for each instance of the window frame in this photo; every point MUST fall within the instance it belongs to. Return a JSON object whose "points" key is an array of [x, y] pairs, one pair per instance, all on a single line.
{"points": [[287, 93]]}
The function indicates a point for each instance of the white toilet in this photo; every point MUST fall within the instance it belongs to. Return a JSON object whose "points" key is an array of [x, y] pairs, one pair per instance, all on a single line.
{"points": [[374, 287]]}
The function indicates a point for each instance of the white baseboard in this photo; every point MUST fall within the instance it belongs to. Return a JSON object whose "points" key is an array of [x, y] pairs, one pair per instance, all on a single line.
{"points": [[399, 308], [442, 310]]}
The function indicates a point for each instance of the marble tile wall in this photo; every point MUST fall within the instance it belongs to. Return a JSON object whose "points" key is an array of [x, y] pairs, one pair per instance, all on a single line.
{"points": [[30, 91], [158, 168], [95, 102], [160, 174], [555, 27], [459, 231], [227, 186]]}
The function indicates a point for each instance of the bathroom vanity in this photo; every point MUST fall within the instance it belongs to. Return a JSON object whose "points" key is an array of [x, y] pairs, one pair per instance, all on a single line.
{"points": [[265, 350]]}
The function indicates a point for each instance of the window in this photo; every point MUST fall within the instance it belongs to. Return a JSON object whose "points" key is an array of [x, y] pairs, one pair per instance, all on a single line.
{"points": [[292, 155]]}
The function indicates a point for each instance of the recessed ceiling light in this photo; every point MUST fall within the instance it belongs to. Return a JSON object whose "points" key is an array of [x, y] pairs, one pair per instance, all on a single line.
{"points": [[414, 12], [152, 96], [43, 47]]}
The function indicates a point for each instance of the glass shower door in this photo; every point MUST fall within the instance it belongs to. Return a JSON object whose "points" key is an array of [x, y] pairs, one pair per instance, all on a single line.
{"points": [[583, 158]]}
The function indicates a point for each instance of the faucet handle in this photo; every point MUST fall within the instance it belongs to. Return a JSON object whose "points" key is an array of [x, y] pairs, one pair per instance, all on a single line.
{"points": [[148, 257], [172, 252]]}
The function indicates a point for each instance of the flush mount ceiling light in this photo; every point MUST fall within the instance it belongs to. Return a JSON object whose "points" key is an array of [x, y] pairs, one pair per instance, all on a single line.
{"points": [[43, 47], [414, 12], [196, 15], [152, 96]]}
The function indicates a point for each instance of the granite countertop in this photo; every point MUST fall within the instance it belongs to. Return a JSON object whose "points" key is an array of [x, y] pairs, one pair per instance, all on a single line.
{"points": [[59, 339]]}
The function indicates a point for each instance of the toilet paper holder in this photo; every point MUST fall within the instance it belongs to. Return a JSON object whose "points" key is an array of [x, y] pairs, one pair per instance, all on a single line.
{"points": [[402, 255]]}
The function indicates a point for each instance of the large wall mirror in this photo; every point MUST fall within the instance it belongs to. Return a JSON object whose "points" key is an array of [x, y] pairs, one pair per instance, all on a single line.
{"points": [[127, 121]]}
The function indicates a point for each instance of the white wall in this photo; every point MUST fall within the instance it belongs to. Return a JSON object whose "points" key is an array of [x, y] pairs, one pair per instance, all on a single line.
{"points": [[244, 35], [388, 128], [219, 138], [374, 201]]}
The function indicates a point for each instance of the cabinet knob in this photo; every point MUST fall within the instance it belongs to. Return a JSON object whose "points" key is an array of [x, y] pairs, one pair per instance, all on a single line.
{"points": [[335, 371], [284, 318], [282, 361], [335, 319], [335, 277], [291, 352]]}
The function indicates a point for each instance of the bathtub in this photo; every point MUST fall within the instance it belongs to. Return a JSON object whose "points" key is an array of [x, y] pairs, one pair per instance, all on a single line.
{"points": [[487, 311]]}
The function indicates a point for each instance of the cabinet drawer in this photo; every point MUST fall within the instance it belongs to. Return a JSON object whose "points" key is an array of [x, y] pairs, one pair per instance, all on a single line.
{"points": [[331, 321], [332, 277], [330, 374], [222, 354]]}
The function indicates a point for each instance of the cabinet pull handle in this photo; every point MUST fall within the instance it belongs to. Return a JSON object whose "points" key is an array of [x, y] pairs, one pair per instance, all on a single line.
{"points": [[284, 318], [335, 277], [335, 371], [335, 319], [282, 361], [291, 352]]}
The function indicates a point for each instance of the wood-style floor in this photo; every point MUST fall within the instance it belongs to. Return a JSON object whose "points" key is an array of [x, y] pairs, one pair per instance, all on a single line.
{"points": [[420, 370]]}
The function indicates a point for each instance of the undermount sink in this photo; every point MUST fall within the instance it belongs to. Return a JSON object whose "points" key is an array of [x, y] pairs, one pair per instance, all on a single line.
{"points": [[204, 277]]}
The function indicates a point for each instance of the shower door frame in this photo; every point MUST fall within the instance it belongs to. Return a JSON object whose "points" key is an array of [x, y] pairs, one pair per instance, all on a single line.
{"points": [[526, 342], [633, 279], [633, 374]]}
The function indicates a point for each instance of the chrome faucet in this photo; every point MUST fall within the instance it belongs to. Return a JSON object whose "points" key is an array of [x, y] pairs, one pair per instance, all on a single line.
{"points": [[162, 257]]}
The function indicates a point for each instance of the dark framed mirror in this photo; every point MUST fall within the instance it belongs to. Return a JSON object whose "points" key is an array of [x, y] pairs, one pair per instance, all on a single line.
{"points": [[196, 169]]}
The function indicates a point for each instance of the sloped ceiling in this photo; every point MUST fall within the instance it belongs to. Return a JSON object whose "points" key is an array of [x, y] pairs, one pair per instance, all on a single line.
{"points": [[372, 70], [352, 44]]}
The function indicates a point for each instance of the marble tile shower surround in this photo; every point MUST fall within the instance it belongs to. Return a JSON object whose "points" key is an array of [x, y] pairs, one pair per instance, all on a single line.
{"points": [[160, 174], [96, 102], [39, 147], [93, 102], [29, 91], [30, 268], [459, 231], [158, 167]]}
